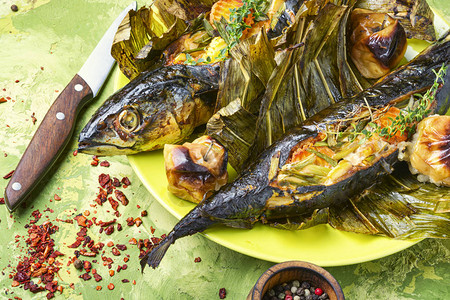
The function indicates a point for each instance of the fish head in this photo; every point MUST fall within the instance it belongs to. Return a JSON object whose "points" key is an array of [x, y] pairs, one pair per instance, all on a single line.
{"points": [[127, 129]]}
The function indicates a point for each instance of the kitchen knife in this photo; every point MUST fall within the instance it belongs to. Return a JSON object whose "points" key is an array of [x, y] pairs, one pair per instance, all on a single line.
{"points": [[56, 128]]}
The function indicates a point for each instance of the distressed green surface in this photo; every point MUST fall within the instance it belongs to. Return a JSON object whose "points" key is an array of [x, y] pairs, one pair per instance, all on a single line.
{"points": [[59, 35]]}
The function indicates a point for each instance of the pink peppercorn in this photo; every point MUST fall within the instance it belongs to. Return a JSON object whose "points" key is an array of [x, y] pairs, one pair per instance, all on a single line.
{"points": [[318, 291], [288, 297]]}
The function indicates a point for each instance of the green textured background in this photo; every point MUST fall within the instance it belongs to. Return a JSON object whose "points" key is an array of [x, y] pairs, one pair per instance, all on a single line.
{"points": [[58, 35]]}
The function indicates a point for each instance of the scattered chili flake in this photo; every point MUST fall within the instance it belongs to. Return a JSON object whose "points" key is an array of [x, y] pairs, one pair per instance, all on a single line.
{"points": [[2, 200], [125, 280], [110, 244], [134, 281], [197, 259], [111, 286], [2, 100], [75, 153], [104, 163], [116, 182], [103, 180], [138, 222], [17, 81], [85, 276], [126, 259], [126, 181], [114, 203], [111, 273], [98, 288], [56, 197], [144, 213], [115, 251], [121, 197], [119, 227], [121, 247], [94, 163], [133, 241], [97, 277], [86, 213], [7, 176], [222, 293], [33, 118], [130, 221], [81, 220], [109, 230]]}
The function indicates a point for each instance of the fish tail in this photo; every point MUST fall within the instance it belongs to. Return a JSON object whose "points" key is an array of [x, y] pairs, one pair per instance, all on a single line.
{"points": [[156, 255], [192, 223]]}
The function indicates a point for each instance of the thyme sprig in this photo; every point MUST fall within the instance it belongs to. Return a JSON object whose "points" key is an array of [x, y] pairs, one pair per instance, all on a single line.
{"points": [[236, 24], [408, 118]]}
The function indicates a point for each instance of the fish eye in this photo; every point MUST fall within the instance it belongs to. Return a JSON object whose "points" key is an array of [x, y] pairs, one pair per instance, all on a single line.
{"points": [[129, 119]]}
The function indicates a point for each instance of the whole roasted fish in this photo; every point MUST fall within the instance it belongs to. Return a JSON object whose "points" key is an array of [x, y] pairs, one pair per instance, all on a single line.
{"points": [[157, 107], [333, 156]]}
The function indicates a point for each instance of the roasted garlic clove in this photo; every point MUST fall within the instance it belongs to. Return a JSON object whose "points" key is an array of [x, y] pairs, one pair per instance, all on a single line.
{"points": [[194, 169], [377, 42], [429, 153]]}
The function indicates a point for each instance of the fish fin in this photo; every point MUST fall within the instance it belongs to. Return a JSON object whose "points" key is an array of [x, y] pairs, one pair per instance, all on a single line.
{"points": [[156, 255]]}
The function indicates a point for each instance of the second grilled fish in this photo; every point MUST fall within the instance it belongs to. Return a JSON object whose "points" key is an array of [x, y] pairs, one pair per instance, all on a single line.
{"points": [[298, 174], [158, 107]]}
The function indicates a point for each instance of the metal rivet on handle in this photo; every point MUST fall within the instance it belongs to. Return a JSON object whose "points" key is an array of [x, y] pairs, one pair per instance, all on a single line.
{"points": [[78, 87], [16, 186], [60, 116]]}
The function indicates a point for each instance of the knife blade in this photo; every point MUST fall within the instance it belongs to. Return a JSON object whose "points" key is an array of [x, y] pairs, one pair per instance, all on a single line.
{"points": [[57, 126]]}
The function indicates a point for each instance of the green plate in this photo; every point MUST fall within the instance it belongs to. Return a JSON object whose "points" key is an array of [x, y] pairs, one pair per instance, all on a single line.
{"points": [[321, 245]]}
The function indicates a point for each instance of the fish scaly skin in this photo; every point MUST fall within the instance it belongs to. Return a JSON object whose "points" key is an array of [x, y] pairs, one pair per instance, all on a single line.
{"points": [[244, 201], [157, 107]]}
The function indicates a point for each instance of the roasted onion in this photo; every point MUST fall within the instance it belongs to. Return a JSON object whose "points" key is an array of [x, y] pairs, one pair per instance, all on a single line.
{"points": [[194, 169], [377, 42]]}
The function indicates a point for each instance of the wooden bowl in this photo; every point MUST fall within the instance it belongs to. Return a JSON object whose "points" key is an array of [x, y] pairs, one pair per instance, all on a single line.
{"points": [[296, 270]]}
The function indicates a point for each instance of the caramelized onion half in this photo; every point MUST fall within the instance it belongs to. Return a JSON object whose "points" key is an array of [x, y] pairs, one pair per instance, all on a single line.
{"points": [[377, 42]]}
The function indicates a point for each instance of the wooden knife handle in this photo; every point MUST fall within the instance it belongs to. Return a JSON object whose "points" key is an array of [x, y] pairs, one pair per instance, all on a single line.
{"points": [[50, 138]]}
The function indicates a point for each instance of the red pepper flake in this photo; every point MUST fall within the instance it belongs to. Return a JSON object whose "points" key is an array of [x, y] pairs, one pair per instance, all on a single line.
{"points": [[144, 213], [110, 244], [2, 100], [121, 197], [116, 182], [132, 241], [104, 163], [119, 227], [134, 282], [114, 203], [94, 163], [111, 273], [103, 180], [75, 153], [85, 276], [222, 293], [33, 118], [81, 220], [111, 286], [2, 200], [130, 221], [115, 251], [197, 259], [109, 230], [7, 176], [126, 181], [56, 197], [17, 81], [121, 247], [152, 230], [125, 280], [97, 277], [138, 222]]}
